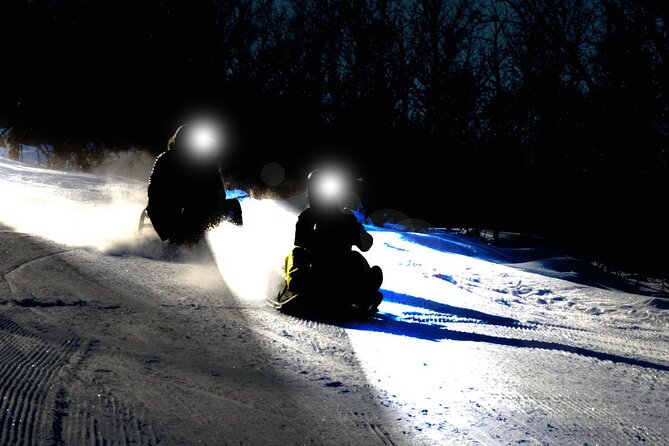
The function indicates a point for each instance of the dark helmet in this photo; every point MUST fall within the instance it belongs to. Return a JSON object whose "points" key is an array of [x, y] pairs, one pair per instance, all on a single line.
{"points": [[177, 141], [200, 141], [312, 179], [327, 188]]}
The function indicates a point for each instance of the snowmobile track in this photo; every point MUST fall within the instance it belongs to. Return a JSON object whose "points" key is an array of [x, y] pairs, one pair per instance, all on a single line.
{"points": [[532, 331], [107, 421], [36, 408], [375, 428], [28, 367]]}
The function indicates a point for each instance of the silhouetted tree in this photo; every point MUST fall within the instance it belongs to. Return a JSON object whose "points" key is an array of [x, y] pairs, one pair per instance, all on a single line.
{"points": [[535, 105]]}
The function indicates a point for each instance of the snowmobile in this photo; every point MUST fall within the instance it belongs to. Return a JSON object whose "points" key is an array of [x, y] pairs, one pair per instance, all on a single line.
{"points": [[231, 212], [186, 190], [324, 277]]}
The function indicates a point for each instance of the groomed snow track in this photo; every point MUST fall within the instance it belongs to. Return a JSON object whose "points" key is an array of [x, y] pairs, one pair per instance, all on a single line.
{"points": [[91, 356]]}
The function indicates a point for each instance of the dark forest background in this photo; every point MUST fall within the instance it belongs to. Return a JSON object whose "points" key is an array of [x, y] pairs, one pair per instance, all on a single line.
{"points": [[540, 116]]}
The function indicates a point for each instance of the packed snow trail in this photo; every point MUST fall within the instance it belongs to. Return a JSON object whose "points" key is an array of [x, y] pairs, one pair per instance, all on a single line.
{"points": [[507, 356], [472, 345], [113, 350]]}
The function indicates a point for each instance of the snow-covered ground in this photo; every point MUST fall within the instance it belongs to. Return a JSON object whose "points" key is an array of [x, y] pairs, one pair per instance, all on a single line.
{"points": [[539, 350], [472, 345]]}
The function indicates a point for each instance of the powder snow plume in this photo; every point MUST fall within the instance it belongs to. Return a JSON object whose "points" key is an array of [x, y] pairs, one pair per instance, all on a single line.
{"points": [[101, 211], [75, 209], [250, 257]]}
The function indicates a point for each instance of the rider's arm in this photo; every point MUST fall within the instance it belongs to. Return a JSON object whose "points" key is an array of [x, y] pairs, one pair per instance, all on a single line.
{"points": [[304, 230], [220, 184], [361, 238]]}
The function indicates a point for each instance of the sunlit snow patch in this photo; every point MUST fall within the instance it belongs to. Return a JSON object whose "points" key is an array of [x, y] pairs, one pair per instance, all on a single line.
{"points": [[71, 208]]}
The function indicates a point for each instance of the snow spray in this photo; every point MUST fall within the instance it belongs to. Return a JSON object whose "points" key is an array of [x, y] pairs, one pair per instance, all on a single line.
{"points": [[102, 211], [250, 257], [77, 209]]}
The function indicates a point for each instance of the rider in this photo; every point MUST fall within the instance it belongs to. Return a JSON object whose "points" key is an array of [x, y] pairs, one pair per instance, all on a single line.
{"points": [[186, 191], [322, 265]]}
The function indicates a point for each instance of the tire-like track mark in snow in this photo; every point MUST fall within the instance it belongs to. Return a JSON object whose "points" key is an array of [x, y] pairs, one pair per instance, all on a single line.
{"points": [[495, 334], [627, 346], [36, 407], [107, 421], [375, 428], [28, 368]]}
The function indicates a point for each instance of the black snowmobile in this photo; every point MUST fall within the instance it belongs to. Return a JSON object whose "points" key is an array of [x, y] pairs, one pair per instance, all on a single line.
{"points": [[186, 189], [325, 278]]}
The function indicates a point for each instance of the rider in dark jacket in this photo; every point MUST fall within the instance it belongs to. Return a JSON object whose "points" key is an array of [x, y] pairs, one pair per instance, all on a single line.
{"points": [[322, 266], [186, 190]]}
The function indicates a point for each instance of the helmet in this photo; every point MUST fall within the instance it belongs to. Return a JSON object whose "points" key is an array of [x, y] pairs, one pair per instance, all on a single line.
{"points": [[312, 179], [200, 141], [326, 187], [176, 142]]}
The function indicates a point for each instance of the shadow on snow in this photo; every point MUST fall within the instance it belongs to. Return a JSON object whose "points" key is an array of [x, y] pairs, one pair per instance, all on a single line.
{"points": [[389, 323], [538, 260]]}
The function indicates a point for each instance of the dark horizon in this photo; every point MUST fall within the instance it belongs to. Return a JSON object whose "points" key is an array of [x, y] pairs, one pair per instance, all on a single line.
{"points": [[518, 115]]}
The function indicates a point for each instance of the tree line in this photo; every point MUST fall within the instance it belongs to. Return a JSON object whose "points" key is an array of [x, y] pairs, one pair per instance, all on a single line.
{"points": [[533, 115]]}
